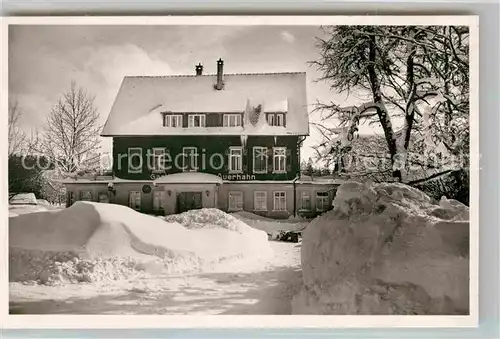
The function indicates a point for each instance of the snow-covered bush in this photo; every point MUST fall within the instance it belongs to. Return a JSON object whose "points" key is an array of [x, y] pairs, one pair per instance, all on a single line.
{"points": [[386, 249]]}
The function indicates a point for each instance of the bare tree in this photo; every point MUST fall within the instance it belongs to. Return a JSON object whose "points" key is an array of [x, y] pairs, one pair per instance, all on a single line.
{"points": [[17, 137], [72, 133]]}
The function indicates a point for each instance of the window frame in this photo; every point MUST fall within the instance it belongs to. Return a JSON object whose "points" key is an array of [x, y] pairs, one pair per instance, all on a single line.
{"points": [[255, 193], [280, 195], [303, 195], [235, 207], [254, 149], [195, 167], [170, 117], [230, 158], [271, 119], [161, 168], [130, 200], [191, 119], [161, 207], [324, 198], [279, 120], [226, 117], [129, 163], [283, 149]]}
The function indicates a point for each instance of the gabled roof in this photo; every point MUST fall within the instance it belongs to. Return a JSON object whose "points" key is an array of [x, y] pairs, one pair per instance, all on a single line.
{"points": [[141, 100]]}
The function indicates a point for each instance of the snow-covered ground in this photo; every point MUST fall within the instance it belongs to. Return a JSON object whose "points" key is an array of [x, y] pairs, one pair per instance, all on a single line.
{"points": [[249, 284]]}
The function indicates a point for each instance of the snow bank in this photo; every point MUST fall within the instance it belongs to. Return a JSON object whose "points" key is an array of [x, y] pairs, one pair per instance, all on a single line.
{"points": [[242, 239], [95, 242], [24, 209], [386, 249]]}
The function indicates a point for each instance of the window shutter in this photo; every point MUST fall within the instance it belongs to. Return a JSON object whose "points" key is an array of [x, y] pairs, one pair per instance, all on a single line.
{"points": [[288, 159]]}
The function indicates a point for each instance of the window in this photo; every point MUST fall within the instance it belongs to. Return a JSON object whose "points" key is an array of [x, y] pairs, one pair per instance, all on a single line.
{"points": [[270, 119], [231, 120], [280, 119], [134, 200], [279, 201], [260, 159], [173, 120], [305, 201], [321, 201], [135, 160], [235, 159], [190, 159], [103, 197], [235, 201], [86, 196], [158, 200], [158, 159], [276, 119], [196, 120], [260, 200], [279, 159]]}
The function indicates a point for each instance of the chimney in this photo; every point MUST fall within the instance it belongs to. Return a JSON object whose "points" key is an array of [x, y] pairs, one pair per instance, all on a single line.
{"points": [[199, 69], [220, 72]]}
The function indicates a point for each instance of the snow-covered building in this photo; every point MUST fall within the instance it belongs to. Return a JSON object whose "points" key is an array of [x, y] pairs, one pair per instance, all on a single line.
{"points": [[230, 141]]}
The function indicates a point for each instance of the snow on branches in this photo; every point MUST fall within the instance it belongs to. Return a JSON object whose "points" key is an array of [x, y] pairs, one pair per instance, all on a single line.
{"points": [[401, 70]]}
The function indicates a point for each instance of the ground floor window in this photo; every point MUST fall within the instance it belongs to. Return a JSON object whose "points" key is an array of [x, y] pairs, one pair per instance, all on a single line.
{"points": [[279, 201], [305, 199], [86, 196], [260, 200], [158, 200], [321, 201], [104, 197], [235, 201], [134, 200]]}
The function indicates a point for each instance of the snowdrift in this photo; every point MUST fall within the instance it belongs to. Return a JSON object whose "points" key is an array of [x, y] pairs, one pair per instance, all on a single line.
{"points": [[95, 242], [386, 249]]}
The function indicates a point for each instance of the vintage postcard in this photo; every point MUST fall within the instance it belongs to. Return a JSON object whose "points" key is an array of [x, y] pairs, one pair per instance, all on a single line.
{"points": [[240, 171]]}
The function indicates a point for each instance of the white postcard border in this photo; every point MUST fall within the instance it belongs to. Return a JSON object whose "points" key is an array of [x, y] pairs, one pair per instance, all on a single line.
{"points": [[243, 321]]}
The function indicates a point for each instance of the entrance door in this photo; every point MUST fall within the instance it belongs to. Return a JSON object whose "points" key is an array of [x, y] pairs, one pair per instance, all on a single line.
{"points": [[188, 201]]}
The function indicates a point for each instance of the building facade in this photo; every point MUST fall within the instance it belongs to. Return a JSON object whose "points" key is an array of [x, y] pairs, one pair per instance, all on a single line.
{"points": [[230, 141]]}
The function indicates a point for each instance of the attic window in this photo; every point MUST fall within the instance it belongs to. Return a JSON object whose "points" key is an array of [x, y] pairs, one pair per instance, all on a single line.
{"points": [[275, 119], [232, 120], [173, 120], [196, 120]]}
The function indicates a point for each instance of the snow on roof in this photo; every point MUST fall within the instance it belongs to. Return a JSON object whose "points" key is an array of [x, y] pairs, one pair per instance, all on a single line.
{"points": [[189, 177], [141, 100], [23, 199]]}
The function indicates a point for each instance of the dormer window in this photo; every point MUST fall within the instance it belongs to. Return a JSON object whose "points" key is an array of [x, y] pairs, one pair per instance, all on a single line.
{"points": [[275, 119], [173, 120], [196, 120], [231, 120], [280, 119]]}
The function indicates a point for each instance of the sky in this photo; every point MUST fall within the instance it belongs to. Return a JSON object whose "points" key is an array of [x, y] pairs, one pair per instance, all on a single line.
{"points": [[43, 60]]}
